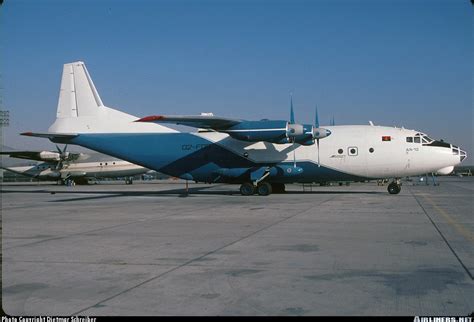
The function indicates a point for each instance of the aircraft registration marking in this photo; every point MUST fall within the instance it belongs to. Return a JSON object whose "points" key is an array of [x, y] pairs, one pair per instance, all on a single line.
{"points": [[188, 147]]}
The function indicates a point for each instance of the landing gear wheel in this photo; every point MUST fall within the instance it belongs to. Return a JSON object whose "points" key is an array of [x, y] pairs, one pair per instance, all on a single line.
{"points": [[264, 189], [394, 188], [278, 188], [247, 189]]}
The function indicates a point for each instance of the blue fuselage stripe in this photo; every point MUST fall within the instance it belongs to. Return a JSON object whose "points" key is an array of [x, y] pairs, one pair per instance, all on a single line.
{"points": [[190, 156]]}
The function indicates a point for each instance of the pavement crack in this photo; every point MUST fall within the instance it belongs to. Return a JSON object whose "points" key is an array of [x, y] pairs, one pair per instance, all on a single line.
{"points": [[187, 263]]}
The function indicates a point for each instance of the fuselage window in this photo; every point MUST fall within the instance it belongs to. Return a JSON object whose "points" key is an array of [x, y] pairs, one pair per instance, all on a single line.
{"points": [[409, 139], [352, 151], [417, 139], [340, 151], [371, 150]]}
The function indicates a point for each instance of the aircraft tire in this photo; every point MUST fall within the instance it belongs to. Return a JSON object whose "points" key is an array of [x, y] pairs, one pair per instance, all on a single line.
{"points": [[247, 189], [264, 188], [394, 188]]}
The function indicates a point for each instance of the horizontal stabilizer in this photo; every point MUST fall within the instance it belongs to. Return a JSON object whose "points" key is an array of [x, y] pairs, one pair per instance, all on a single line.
{"points": [[50, 135], [53, 137]]}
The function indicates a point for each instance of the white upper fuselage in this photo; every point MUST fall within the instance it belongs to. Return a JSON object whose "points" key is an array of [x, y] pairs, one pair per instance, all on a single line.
{"points": [[348, 149]]}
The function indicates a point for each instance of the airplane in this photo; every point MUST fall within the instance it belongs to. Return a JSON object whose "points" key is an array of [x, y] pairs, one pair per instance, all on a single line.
{"points": [[262, 156], [70, 167]]}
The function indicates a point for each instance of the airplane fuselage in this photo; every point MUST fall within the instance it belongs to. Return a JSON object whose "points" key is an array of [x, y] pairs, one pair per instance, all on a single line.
{"points": [[352, 152], [103, 169]]}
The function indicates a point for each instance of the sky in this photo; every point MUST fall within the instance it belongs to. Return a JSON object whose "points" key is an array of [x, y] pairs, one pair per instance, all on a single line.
{"points": [[396, 63]]}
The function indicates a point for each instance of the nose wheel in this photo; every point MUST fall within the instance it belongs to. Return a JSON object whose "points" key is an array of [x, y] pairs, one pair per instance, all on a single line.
{"points": [[394, 188]]}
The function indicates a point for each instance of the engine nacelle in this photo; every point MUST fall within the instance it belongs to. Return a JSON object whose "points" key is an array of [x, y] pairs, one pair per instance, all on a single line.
{"points": [[49, 156], [311, 134], [320, 133], [265, 130]]}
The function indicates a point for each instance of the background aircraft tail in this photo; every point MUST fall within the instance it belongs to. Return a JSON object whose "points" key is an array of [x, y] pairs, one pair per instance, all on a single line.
{"points": [[80, 108]]}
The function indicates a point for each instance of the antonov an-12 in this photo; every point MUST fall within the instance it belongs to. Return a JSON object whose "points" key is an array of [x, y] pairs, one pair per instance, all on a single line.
{"points": [[260, 155]]}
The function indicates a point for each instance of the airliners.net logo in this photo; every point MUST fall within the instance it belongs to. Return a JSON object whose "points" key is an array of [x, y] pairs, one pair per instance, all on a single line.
{"points": [[442, 319]]}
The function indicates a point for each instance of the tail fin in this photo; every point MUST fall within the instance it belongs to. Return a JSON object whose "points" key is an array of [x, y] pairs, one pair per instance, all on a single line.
{"points": [[78, 96], [80, 108]]}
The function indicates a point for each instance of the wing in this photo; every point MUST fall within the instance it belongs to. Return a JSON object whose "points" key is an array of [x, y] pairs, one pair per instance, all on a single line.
{"points": [[29, 155], [199, 121]]}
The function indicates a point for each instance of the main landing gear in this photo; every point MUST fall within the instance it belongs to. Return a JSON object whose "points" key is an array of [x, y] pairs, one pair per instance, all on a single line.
{"points": [[262, 188], [394, 187]]}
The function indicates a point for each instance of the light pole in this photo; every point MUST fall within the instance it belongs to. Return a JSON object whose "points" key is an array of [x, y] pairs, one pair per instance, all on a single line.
{"points": [[4, 122]]}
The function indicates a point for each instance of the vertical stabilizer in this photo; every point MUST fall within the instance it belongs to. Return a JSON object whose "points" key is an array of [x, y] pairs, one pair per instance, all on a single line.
{"points": [[78, 95], [80, 109]]}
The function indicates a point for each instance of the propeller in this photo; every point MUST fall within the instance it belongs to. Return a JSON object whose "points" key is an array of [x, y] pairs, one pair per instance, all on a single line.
{"points": [[313, 135], [63, 156], [292, 121], [316, 125], [318, 133]]}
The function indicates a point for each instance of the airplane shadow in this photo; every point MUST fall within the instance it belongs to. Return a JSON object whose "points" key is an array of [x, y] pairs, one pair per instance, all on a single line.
{"points": [[178, 192]]}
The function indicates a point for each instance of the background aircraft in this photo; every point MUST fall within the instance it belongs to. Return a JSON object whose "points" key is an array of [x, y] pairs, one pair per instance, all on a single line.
{"points": [[260, 155], [67, 166]]}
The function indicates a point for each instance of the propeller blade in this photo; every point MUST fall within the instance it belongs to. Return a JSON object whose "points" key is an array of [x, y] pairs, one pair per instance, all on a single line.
{"points": [[292, 114], [316, 118], [59, 150], [294, 155], [292, 121], [317, 142]]}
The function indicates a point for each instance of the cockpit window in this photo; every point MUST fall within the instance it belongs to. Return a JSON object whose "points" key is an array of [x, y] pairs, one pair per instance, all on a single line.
{"points": [[417, 139], [409, 139]]}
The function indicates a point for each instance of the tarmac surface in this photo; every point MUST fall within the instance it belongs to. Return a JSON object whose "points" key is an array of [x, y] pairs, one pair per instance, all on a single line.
{"points": [[150, 249]]}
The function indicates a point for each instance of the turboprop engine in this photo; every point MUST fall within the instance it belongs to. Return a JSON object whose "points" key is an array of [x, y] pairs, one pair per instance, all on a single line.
{"points": [[49, 156], [310, 134], [266, 130]]}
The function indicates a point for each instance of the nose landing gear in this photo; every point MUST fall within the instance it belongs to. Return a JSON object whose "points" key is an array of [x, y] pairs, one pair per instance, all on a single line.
{"points": [[394, 187]]}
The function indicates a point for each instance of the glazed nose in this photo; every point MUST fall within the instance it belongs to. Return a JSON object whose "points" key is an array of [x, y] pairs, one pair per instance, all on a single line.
{"points": [[462, 155], [457, 151]]}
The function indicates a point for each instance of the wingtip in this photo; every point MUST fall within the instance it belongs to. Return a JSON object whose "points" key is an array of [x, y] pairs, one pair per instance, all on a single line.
{"points": [[27, 133]]}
